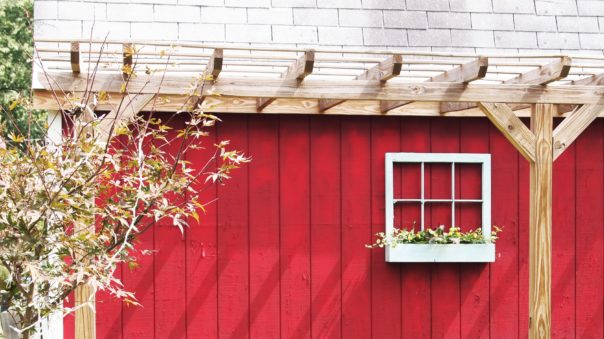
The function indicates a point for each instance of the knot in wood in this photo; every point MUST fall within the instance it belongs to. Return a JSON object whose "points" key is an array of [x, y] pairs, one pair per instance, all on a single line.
{"points": [[418, 89]]}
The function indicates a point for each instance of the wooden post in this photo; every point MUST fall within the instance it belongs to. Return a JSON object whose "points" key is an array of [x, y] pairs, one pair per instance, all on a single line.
{"points": [[85, 324], [540, 243]]}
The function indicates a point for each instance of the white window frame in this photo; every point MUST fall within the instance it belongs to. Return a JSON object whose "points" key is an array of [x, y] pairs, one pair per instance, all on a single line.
{"points": [[443, 158]]}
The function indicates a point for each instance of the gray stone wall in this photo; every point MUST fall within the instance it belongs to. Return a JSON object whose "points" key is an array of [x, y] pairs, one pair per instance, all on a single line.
{"points": [[439, 25]]}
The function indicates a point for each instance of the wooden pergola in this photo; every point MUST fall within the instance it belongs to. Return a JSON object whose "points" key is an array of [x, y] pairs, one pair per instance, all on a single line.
{"points": [[262, 80]]}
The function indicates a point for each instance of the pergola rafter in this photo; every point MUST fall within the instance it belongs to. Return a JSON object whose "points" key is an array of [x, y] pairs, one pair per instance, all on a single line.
{"points": [[462, 74], [382, 72], [365, 82]]}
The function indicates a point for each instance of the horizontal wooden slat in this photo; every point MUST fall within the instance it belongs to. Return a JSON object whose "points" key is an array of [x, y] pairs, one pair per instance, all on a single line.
{"points": [[545, 74], [173, 103], [463, 74], [542, 75], [299, 70], [383, 72], [337, 89]]}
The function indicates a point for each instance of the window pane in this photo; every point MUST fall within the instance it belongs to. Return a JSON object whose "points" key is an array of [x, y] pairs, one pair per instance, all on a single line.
{"points": [[468, 181], [438, 213], [407, 215], [407, 176], [437, 181], [468, 216]]}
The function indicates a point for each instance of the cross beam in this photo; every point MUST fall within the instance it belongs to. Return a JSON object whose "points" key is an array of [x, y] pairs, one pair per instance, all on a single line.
{"points": [[540, 145], [299, 70], [382, 72], [542, 75], [463, 74]]}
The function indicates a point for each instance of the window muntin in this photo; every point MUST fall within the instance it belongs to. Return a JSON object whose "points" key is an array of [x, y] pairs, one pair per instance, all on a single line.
{"points": [[452, 160]]}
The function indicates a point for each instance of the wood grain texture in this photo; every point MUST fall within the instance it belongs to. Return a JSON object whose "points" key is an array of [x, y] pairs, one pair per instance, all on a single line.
{"points": [[382, 72], [564, 251], [233, 238], [202, 253], [258, 87], [294, 192], [512, 128], [545, 74], [169, 265], [589, 270], [505, 274], [540, 242], [356, 227], [85, 324], [74, 57], [377, 298], [129, 106], [475, 296], [299, 70], [415, 278], [386, 291], [173, 103], [572, 126], [542, 75], [264, 227], [325, 218], [445, 303], [465, 73]]}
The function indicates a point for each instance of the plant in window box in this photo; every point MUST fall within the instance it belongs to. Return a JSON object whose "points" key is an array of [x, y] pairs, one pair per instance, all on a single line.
{"points": [[438, 245]]}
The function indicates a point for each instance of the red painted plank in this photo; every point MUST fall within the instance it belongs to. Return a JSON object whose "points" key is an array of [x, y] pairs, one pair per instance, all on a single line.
{"points": [[264, 226], [233, 238], [504, 213], [169, 264], [69, 320], [589, 232], [356, 227], [109, 313], [325, 227], [563, 246], [445, 277], [137, 321], [415, 279], [475, 298], [523, 245], [294, 186], [201, 252], [385, 277]]}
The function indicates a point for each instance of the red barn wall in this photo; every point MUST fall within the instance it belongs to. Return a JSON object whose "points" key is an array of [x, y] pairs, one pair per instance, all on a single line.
{"points": [[281, 254]]}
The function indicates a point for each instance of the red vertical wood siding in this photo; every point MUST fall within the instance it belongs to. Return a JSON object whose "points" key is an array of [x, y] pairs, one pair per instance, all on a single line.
{"points": [[281, 254]]}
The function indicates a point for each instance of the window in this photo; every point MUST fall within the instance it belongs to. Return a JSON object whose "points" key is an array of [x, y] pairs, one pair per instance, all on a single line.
{"points": [[450, 165]]}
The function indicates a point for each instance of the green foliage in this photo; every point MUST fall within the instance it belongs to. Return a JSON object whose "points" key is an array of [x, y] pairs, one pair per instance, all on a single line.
{"points": [[16, 49], [434, 236]]}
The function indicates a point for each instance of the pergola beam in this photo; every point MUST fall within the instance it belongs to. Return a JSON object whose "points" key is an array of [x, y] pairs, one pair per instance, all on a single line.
{"points": [[333, 89], [542, 75], [209, 75], [545, 74], [573, 125], [299, 70], [381, 72], [473, 70]]}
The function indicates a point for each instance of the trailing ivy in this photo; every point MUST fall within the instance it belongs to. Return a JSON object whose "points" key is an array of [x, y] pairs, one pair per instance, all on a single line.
{"points": [[434, 236]]}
